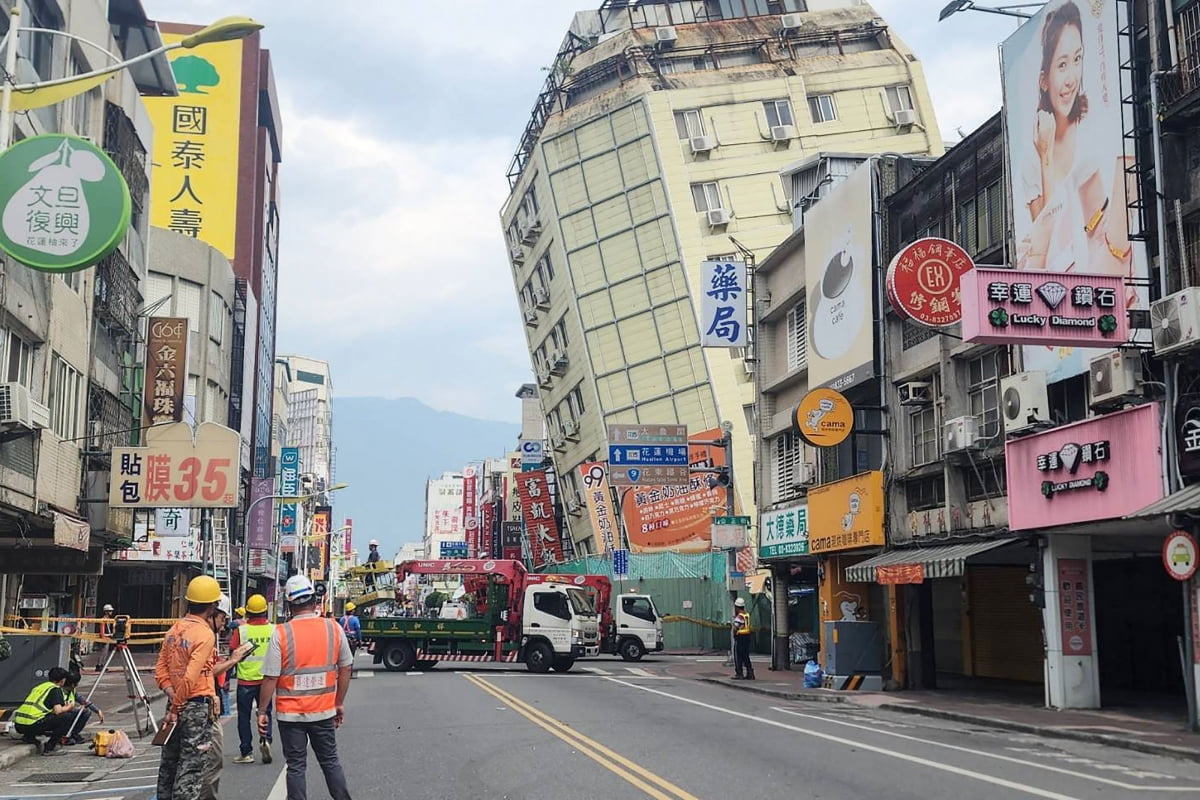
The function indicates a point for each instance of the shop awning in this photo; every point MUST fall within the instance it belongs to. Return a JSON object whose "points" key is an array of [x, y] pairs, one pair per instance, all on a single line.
{"points": [[947, 561], [1185, 500]]}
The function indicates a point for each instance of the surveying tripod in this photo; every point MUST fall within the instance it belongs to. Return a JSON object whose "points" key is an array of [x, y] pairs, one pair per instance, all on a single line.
{"points": [[133, 681]]}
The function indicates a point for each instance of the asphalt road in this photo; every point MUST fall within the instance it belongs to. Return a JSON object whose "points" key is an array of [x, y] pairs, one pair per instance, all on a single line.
{"points": [[618, 731]]}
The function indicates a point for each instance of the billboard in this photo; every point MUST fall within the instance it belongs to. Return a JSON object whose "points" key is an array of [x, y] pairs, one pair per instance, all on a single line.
{"points": [[196, 144], [846, 514], [166, 369], [723, 304], [838, 256], [537, 511], [599, 505], [443, 508], [176, 470], [1064, 130]]}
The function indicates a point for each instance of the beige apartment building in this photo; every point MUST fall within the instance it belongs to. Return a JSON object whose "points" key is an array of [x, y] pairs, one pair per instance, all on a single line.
{"points": [[657, 141]]}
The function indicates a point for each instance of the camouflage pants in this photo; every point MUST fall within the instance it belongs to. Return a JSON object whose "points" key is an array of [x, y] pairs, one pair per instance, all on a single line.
{"points": [[187, 757], [216, 762]]}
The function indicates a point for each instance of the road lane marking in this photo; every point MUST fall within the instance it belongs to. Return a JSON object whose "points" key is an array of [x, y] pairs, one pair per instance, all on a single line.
{"points": [[998, 757], [613, 762], [279, 790], [854, 744], [640, 672]]}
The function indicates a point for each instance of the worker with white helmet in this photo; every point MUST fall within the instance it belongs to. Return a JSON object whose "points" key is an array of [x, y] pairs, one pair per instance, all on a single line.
{"points": [[741, 642], [105, 629]]}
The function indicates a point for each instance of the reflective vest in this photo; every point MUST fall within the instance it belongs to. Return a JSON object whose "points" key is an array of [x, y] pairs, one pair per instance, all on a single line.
{"points": [[34, 710], [308, 649], [741, 624], [249, 670]]}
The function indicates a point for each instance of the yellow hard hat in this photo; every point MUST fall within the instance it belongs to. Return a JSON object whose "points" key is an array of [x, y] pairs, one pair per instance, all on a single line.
{"points": [[257, 604], [203, 589], [240, 611], [350, 607]]}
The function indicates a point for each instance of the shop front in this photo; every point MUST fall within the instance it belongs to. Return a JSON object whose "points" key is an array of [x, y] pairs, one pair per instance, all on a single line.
{"points": [[783, 551]]}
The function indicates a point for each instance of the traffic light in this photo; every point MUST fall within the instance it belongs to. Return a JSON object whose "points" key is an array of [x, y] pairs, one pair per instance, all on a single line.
{"points": [[719, 480], [320, 588]]}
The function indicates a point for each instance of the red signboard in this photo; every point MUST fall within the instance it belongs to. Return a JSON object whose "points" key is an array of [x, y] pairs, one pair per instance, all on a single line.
{"points": [[1075, 619], [923, 281], [900, 573], [470, 511], [537, 511], [349, 541]]}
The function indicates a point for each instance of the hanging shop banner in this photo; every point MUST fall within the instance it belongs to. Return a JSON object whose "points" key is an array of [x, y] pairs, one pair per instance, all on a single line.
{"points": [[898, 574], [71, 532], [824, 418], [846, 514], [1096, 469], [1074, 616], [196, 136], [1003, 306], [175, 469], [65, 204], [783, 532], [723, 304], [318, 541], [676, 518], [838, 259], [166, 369], [923, 281], [537, 511], [348, 541], [470, 510], [289, 486], [489, 531], [1071, 206], [262, 514], [510, 540], [594, 479], [1187, 433]]}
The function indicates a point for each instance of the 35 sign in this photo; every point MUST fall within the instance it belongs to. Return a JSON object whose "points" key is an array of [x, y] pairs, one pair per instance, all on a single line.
{"points": [[176, 470]]}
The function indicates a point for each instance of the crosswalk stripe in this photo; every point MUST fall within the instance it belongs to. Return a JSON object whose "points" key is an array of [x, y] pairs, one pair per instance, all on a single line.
{"points": [[639, 671]]}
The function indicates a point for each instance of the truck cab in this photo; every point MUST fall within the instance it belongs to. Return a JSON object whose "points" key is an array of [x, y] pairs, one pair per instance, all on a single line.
{"points": [[559, 625], [637, 627]]}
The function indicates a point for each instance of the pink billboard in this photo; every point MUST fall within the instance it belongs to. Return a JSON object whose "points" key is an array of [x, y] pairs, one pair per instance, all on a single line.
{"points": [[1004, 306], [1096, 469]]}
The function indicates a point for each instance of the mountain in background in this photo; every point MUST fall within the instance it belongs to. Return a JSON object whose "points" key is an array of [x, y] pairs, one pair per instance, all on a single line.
{"points": [[387, 448]]}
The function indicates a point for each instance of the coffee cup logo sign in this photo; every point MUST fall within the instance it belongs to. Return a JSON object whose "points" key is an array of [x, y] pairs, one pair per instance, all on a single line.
{"points": [[923, 281], [1069, 458], [65, 203], [824, 418]]}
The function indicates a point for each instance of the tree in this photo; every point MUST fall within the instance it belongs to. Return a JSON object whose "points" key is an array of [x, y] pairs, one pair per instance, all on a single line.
{"points": [[194, 72], [435, 600]]}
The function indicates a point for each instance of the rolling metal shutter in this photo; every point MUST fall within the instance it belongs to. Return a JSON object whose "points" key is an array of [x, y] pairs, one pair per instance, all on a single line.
{"points": [[1006, 629]]}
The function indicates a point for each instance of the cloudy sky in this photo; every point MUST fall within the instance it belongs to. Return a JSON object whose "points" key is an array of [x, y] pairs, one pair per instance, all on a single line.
{"points": [[400, 118]]}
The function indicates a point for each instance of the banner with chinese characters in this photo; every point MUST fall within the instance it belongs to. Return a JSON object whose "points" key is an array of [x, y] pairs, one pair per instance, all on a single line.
{"points": [[172, 522], [289, 486], [510, 540], [723, 304], [537, 511], [348, 542], [166, 369], [259, 524], [1187, 433], [148, 546], [846, 514], [470, 511], [196, 136], [176, 470], [594, 478], [318, 541]]}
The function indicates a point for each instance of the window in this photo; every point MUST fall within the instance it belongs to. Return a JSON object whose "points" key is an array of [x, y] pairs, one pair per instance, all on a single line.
{"points": [[73, 280], [926, 438], [39, 47], [639, 607], [899, 98], [981, 220], [985, 479], [18, 360], [779, 112], [65, 382], [545, 269], [797, 336], [187, 303], [689, 124], [552, 603], [788, 456], [216, 408], [707, 196], [822, 108], [217, 313], [983, 390], [926, 493], [575, 402]]}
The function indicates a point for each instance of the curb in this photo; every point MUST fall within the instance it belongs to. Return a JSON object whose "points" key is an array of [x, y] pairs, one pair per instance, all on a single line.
{"points": [[800, 696]]}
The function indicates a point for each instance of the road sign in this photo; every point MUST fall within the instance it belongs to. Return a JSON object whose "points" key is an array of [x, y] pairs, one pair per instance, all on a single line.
{"points": [[729, 533], [1179, 555], [648, 455], [649, 476], [453, 550], [620, 563]]}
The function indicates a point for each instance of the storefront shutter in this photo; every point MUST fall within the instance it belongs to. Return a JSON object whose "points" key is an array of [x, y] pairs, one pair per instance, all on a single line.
{"points": [[1006, 629]]}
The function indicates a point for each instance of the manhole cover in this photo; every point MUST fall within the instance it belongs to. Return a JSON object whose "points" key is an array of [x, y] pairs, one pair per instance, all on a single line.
{"points": [[56, 777]]}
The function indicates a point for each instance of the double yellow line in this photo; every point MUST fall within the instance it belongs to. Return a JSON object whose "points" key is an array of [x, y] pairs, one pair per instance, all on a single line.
{"points": [[653, 785]]}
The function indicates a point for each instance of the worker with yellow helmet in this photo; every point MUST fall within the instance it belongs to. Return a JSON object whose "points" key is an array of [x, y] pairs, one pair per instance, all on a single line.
{"points": [[256, 630], [351, 626], [184, 672]]}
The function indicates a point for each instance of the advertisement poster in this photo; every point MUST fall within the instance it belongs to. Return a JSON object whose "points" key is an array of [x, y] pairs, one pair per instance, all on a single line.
{"points": [[838, 258], [594, 479], [1062, 102], [1073, 607], [537, 511], [676, 518]]}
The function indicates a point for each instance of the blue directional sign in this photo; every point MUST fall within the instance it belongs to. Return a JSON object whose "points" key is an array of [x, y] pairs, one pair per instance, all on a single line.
{"points": [[453, 549], [648, 455], [620, 563]]}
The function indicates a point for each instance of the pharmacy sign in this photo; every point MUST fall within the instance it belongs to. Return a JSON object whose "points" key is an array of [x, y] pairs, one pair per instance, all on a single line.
{"points": [[63, 203]]}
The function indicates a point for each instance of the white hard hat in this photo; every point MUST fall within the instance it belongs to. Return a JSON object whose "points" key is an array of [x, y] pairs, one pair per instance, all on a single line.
{"points": [[740, 603], [374, 543], [225, 605], [107, 607], [298, 588]]}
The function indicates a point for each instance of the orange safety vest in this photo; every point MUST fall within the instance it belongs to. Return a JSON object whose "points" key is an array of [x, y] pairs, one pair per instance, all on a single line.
{"points": [[308, 649]]}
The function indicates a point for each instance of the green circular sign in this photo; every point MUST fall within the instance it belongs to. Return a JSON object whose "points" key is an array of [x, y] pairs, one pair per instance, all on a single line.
{"points": [[64, 205]]}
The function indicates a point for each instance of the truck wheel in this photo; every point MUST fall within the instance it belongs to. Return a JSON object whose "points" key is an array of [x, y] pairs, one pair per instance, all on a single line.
{"points": [[425, 664], [539, 658], [563, 664], [632, 650], [399, 657]]}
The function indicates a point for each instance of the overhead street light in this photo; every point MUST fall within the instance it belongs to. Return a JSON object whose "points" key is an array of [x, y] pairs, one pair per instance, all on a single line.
{"points": [[954, 6], [282, 498]]}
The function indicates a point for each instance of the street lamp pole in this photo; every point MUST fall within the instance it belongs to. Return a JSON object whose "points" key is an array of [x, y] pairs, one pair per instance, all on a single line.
{"points": [[287, 498]]}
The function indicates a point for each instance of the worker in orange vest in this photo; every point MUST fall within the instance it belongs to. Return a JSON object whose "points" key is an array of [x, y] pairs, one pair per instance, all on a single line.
{"points": [[307, 673]]}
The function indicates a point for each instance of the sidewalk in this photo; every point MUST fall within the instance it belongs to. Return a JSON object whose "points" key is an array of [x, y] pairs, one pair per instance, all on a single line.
{"points": [[1144, 730], [111, 696]]}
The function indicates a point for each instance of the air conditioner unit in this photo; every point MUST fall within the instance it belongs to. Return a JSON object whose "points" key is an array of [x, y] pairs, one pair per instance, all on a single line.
{"points": [[701, 144], [559, 443], [805, 475], [571, 429], [39, 414], [791, 22], [543, 375], [960, 433], [517, 254], [531, 316], [748, 365], [915, 393], [717, 217], [573, 506], [783, 133], [1114, 377], [1024, 403], [559, 362], [14, 405], [1175, 321], [531, 232], [665, 36], [541, 298], [905, 116]]}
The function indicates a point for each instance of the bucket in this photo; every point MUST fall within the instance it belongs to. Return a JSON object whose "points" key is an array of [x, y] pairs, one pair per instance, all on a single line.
{"points": [[101, 739]]}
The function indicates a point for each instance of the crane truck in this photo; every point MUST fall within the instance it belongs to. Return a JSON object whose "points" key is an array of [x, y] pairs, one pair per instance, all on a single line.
{"points": [[504, 617], [630, 628]]}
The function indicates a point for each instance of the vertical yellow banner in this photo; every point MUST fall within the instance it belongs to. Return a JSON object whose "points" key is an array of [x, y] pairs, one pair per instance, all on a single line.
{"points": [[600, 508], [195, 177]]}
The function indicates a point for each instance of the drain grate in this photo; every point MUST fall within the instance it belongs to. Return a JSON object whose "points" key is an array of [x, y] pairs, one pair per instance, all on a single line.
{"points": [[56, 777]]}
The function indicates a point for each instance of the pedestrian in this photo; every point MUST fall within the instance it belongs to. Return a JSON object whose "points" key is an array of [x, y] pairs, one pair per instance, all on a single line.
{"points": [[83, 710], [351, 627], [46, 712], [185, 673], [105, 630], [308, 669], [216, 761], [741, 642], [257, 631]]}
